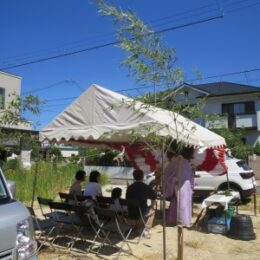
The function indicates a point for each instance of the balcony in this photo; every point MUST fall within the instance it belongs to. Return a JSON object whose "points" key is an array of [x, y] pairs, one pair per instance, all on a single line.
{"points": [[20, 126], [236, 121]]}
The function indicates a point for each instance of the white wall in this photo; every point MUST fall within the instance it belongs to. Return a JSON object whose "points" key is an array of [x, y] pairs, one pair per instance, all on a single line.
{"points": [[11, 84], [68, 153], [190, 98], [112, 172], [214, 106]]}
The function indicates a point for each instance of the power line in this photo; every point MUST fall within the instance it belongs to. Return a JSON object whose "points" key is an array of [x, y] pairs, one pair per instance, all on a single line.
{"points": [[110, 34], [61, 55], [59, 99], [146, 87], [241, 8], [66, 81], [197, 79], [55, 105], [189, 24], [117, 42], [194, 10], [44, 88], [225, 74], [188, 81], [104, 45]]}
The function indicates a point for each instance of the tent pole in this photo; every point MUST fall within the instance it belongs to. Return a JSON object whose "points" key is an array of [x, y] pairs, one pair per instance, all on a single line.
{"points": [[163, 206], [35, 178], [228, 185]]}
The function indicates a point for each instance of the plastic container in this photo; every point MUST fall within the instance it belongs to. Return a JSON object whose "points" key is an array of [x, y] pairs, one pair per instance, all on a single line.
{"points": [[230, 211], [241, 227], [219, 225]]}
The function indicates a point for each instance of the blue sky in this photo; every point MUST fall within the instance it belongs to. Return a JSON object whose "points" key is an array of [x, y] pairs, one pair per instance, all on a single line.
{"points": [[31, 30]]}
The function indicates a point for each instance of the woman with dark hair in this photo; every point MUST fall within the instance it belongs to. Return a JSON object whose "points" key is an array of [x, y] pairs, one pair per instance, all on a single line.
{"points": [[75, 188], [93, 188]]}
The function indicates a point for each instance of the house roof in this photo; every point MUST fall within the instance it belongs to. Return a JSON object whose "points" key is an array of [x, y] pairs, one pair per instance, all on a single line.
{"points": [[225, 88], [9, 74]]}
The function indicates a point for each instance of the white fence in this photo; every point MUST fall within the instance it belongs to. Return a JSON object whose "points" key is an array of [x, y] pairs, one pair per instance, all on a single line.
{"points": [[114, 172]]}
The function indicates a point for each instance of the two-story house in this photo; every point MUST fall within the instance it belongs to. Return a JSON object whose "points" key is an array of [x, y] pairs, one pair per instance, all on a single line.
{"points": [[237, 105], [10, 87]]}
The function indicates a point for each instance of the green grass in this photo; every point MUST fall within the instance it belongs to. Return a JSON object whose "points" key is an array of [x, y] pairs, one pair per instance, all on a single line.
{"points": [[49, 181]]}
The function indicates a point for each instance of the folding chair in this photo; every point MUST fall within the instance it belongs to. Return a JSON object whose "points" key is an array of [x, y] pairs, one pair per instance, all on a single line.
{"points": [[62, 217], [112, 224], [104, 202], [67, 197], [82, 218], [44, 226], [82, 198], [136, 222], [44, 205]]}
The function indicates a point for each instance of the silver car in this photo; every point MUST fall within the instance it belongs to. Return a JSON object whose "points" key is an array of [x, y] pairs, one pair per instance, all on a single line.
{"points": [[17, 241]]}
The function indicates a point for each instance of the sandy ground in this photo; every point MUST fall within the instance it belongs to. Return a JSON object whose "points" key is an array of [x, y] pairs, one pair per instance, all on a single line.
{"points": [[197, 245]]}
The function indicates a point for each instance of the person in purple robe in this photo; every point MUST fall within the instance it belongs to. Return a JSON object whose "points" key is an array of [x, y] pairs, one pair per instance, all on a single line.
{"points": [[179, 184]]}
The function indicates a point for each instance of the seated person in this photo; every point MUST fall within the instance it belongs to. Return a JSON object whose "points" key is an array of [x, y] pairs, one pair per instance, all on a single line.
{"points": [[75, 188], [116, 195], [142, 192], [93, 188]]}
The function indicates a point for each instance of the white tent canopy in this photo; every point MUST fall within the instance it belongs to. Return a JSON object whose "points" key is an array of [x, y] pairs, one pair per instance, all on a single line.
{"points": [[103, 115]]}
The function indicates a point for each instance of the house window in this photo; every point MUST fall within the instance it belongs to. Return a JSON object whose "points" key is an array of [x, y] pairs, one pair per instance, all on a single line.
{"points": [[239, 108], [2, 98]]}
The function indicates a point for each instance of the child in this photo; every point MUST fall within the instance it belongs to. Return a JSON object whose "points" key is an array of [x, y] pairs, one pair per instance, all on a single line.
{"points": [[115, 195]]}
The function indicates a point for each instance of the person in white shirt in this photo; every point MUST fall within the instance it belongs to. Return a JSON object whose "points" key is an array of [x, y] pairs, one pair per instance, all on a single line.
{"points": [[93, 188]]}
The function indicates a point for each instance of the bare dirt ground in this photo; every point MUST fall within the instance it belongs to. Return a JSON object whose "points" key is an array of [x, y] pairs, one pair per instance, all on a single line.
{"points": [[197, 245]]}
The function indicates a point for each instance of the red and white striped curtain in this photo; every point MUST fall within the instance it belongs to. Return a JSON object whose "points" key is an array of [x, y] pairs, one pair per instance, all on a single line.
{"points": [[211, 160]]}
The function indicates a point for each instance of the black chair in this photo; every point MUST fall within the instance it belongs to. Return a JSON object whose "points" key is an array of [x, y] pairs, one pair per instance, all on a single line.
{"points": [[63, 220], [67, 197], [109, 223], [44, 227], [45, 208], [82, 198], [138, 221], [83, 217], [104, 202]]}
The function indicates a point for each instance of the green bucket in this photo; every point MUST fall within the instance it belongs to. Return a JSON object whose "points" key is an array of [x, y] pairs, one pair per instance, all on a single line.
{"points": [[230, 211]]}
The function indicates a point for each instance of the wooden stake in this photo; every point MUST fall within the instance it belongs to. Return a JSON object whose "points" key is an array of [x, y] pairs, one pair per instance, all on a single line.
{"points": [[163, 207], [255, 202], [180, 228], [180, 242]]}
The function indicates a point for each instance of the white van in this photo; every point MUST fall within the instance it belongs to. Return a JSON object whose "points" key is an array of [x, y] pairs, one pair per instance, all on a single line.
{"points": [[240, 176], [17, 241]]}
